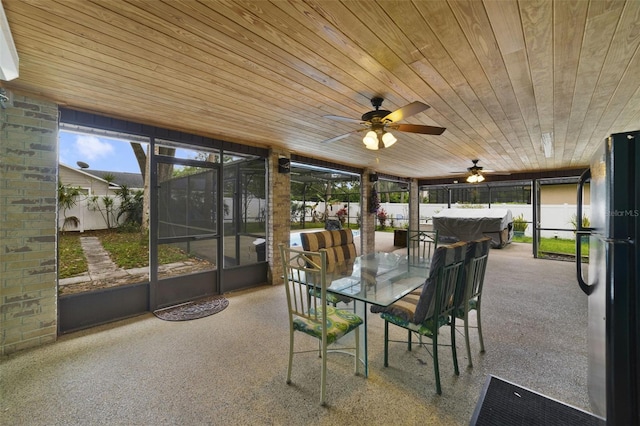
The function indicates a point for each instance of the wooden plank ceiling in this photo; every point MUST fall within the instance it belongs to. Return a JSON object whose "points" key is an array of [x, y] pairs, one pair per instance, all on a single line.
{"points": [[497, 74]]}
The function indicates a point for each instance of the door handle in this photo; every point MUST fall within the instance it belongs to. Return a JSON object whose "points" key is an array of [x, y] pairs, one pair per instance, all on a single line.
{"points": [[581, 232]]}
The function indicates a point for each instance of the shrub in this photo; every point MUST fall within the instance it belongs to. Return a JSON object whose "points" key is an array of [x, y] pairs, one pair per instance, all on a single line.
{"points": [[382, 218], [520, 224]]}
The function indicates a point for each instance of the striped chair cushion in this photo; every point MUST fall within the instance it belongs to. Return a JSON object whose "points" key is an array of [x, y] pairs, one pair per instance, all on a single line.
{"points": [[314, 241], [475, 249], [341, 250], [342, 237], [417, 306]]}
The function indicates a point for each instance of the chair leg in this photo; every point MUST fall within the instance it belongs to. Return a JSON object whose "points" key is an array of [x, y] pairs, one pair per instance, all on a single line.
{"points": [[436, 368], [290, 356], [386, 343], [409, 340], [466, 336], [454, 352], [357, 357], [323, 376], [479, 326]]}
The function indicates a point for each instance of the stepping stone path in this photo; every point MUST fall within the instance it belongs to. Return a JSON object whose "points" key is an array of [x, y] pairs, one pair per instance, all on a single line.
{"points": [[99, 262]]}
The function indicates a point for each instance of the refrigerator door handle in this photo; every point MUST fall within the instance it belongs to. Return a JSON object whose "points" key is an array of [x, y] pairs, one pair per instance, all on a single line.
{"points": [[581, 232]]}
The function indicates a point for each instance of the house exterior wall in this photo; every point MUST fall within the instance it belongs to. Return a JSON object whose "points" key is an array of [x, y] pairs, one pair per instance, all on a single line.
{"points": [[563, 194], [93, 186], [89, 218], [28, 196]]}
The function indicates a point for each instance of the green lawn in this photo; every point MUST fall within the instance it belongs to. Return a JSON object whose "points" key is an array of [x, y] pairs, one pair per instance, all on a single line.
{"points": [[72, 260], [127, 249], [556, 245], [131, 250]]}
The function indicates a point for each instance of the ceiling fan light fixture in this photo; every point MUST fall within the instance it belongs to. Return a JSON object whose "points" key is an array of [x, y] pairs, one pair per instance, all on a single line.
{"points": [[371, 140], [378, 120], [388, 139], [475, 178]]}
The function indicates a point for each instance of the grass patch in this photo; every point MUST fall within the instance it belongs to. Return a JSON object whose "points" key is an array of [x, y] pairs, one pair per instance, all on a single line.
{"points": [[70, 255], [556, 245], [131, 250], [126, 249]]}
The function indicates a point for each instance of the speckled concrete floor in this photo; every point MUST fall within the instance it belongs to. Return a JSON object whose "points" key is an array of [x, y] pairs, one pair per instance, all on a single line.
{"points": [[230, 368]]}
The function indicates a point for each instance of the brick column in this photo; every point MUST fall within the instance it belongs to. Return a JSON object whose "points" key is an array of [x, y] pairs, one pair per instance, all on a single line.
{"points": [[369, 220], [28, 218], [279, 215], [414, 205]]}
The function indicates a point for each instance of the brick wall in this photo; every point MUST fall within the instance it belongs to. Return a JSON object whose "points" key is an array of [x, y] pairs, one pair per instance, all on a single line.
{"points": [[28, 212]]}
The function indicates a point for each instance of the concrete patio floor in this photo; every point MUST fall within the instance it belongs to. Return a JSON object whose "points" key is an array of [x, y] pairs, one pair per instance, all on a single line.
{"points": [[230, 368]]}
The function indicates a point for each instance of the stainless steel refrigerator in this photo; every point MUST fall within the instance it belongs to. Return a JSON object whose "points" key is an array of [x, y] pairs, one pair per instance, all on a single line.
{"points": [[612, 279]]}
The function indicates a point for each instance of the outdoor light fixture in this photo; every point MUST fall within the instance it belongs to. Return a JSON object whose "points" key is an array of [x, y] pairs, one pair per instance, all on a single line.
{"points": [[378, 139]]}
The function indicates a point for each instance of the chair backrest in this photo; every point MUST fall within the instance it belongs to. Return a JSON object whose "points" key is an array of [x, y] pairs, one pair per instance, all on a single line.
{"points": [[341, 250], [305, 271], [475, 268], [421, 245], [445, 278]]}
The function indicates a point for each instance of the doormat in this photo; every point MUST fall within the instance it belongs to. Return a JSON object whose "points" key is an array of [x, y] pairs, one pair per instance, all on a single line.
{"points": [[195, 309], [505, 403]]}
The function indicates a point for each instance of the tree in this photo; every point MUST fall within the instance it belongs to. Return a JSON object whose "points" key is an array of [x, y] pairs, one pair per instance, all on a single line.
{"points": [[107, 209], [67, 199], [165, 171], [145, 171], [131, 206]]}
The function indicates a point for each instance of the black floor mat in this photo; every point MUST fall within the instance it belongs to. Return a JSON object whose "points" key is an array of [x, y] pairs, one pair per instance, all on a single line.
{"points": [[504, 403]]}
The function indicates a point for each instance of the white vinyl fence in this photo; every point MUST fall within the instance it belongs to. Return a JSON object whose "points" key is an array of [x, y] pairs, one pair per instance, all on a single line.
{"points": [[554, 216], [89, 217]]}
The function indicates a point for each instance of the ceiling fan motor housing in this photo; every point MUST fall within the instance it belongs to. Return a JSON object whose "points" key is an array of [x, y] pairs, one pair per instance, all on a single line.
{"points": [[376, 115], [475, 169]]}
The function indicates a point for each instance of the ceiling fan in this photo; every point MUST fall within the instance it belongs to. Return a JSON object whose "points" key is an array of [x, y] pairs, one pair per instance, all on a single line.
{"points": [[378, 122], [476, 172]]}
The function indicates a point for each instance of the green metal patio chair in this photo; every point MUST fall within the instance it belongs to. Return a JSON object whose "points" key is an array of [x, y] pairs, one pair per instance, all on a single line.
{"points": [[305, 270], [471, 298], [421, 245], [425, 312]]}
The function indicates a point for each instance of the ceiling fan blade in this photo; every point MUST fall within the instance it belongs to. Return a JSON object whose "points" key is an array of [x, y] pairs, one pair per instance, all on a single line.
{"points": [[337, 117], [419, 128], [493, 172], [406, 111], [337, 138]]}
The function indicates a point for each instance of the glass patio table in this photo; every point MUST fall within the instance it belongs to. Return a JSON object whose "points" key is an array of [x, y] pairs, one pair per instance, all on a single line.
{"points": [[379, 279]]}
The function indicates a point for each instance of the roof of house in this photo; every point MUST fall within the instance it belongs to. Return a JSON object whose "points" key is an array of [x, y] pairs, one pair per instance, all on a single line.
{"points": [[130, 180]]}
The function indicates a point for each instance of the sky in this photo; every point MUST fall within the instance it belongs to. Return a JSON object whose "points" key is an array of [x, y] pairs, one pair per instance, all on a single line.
{"points": [[99, 153]]}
